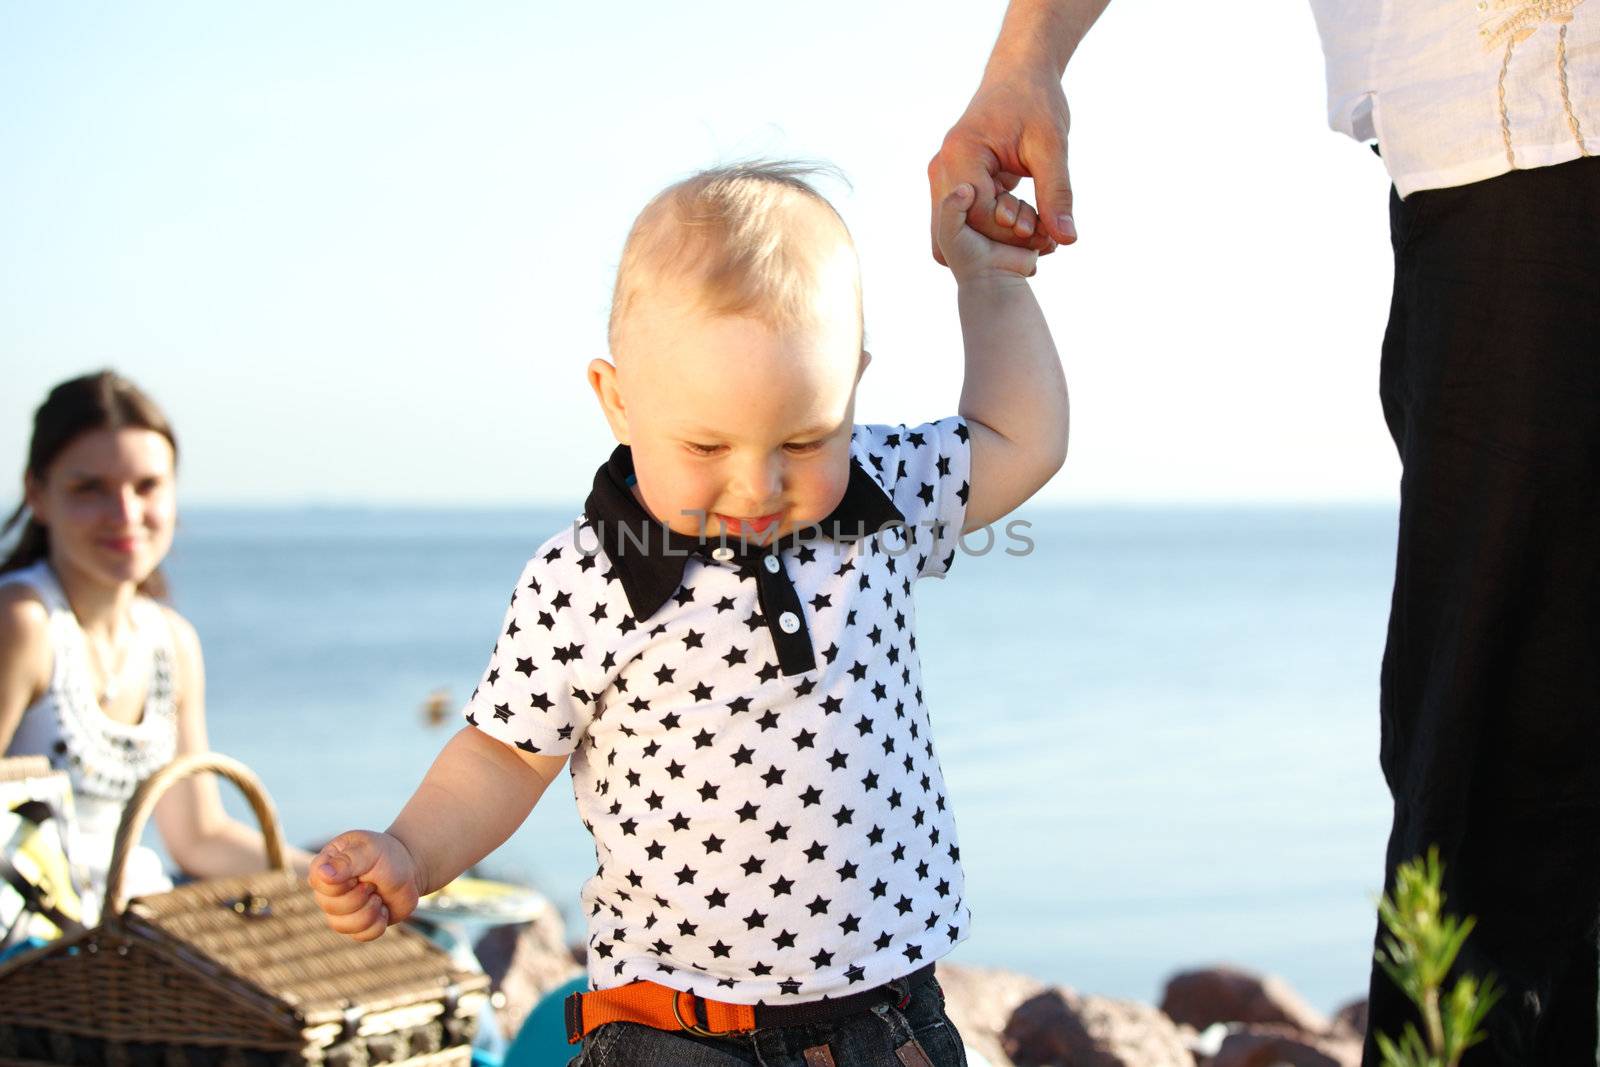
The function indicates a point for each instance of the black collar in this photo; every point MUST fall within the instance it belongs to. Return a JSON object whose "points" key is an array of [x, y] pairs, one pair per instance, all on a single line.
{"points": [[650, 558]]}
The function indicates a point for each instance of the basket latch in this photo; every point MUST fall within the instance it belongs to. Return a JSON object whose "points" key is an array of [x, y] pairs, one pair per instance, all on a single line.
{"points": [[249, 906]]}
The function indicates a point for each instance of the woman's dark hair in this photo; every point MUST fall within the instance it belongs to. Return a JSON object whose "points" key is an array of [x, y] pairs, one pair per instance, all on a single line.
{"points": [[102, 401]]}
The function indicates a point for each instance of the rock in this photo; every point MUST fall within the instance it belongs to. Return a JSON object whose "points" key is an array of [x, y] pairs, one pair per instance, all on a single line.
{"points": [[1057, 1026], [1283, 1046], [1230, 995], [524, 962], [980, 1000], [1351, 1020]]}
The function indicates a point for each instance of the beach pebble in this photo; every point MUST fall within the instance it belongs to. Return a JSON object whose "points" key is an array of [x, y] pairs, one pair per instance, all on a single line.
{"points": [[1233, 995], [1351, 1020], [1057, 1026], [980, 1000], [525, 962], [1282, 1046]]}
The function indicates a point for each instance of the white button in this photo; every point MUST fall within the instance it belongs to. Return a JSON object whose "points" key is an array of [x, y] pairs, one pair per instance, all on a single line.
{"points": [[722, 554], [771, 563], [788, 622]]}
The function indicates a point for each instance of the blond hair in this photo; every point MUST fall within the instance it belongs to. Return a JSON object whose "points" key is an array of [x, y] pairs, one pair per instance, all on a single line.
{"points": [[737, 237]]}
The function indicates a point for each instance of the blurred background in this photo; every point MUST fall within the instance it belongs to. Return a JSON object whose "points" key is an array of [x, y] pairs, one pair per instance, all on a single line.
{"points": [[362, 253]]}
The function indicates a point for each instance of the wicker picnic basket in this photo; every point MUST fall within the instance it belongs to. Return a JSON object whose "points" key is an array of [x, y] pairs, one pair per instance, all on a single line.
{"points": [[232, 972]]}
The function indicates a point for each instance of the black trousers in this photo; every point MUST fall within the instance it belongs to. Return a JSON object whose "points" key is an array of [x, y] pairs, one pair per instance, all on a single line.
{"points": [[1490, 703]]}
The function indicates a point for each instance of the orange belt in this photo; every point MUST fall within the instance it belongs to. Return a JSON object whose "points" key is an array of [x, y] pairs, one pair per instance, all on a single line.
{"points": [[654, 1005]]}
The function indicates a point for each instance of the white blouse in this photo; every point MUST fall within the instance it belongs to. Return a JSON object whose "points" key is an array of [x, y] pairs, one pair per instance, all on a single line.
{"points": [[105, 759], [1456, 91]]}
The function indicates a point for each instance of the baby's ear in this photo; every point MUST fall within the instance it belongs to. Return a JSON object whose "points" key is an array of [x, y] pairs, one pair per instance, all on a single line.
{"points": [[603, 380], [866, 357]]}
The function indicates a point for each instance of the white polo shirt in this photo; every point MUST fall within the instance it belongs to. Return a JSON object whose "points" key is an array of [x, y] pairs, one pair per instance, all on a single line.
{"points": [[750, 747]]}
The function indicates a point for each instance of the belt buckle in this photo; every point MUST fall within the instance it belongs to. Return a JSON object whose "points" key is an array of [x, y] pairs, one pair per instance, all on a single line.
{"points": [[689, 1027]]}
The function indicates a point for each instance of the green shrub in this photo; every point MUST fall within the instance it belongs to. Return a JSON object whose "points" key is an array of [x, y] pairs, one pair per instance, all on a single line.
{"points": [[1419, 948]]}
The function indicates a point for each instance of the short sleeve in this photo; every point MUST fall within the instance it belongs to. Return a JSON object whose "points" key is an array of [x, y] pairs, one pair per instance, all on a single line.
{"points": [[925, 470], [539, 690]]}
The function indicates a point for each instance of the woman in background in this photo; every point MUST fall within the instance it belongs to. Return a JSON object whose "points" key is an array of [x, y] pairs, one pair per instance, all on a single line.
{"points": [[97, 672]]}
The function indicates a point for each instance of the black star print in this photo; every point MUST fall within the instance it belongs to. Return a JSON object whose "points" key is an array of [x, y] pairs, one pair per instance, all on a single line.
{"points": [[734, 656], [784, 940], [773, 777]]}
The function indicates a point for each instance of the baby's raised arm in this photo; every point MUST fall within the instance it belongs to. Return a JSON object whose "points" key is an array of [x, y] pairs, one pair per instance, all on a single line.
{"points": [[475, 795], [1014, 394]]}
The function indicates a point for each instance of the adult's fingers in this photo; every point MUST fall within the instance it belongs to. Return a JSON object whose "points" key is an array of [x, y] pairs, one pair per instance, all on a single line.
{"points": [[1045, 156]]}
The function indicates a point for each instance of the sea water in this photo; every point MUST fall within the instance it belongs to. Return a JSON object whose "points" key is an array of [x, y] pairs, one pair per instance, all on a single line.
{"points": [[1158, 726]]}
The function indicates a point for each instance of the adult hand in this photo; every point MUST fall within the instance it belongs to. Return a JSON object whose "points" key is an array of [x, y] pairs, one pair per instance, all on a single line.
{"points": [[1016, 126]]}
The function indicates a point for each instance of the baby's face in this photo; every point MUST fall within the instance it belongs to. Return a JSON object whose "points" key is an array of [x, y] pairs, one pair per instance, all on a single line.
{"points": [[736, 429]]}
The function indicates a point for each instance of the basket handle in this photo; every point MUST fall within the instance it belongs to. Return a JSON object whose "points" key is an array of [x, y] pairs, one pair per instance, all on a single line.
{"points": [[144, 799]]}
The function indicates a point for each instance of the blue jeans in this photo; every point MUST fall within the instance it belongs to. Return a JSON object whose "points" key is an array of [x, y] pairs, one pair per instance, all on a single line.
{"points": [[866, 1039]]}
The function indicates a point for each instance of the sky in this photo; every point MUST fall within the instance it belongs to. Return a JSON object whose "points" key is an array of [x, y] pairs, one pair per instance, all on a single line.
{"points": [[362, 252]]}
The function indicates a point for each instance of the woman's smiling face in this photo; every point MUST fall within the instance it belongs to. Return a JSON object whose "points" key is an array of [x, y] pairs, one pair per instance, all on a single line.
{"points": [[109, 503]]}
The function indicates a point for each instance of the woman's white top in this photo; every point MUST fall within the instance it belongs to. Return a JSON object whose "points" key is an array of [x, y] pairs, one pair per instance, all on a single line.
{"points": [[1459, 91], [105, 759]]}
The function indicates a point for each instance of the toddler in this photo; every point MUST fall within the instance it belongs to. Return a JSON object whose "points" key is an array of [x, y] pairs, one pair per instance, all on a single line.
{"points": [[723, 646]]}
